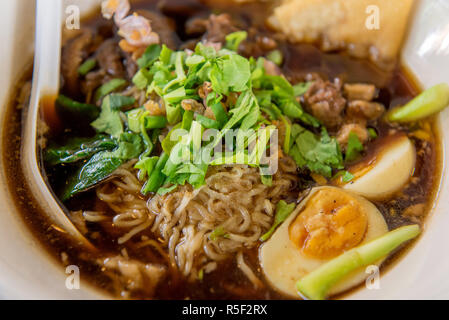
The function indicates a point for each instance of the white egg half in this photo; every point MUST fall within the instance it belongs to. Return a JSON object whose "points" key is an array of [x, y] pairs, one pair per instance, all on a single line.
{"points": [[284, 263], [387, 172]]}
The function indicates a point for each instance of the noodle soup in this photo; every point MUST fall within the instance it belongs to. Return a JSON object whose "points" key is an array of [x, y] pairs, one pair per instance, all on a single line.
{"points": [[199, 230]]}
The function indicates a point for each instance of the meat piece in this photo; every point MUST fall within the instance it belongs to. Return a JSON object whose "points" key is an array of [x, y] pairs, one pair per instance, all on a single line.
{"points": [[196, 26], [73, 54], [192, 105], [365, 110], [110, 58], [271, 68], [215, 27], [130, 65], [208, 113], [218, 27], [155, 108], [342, 24], [257, 44], [358, 128], [415, 210], [325, 102], [359, 91], [135, 275], [92, 81], [163, 26], [205, 89]]}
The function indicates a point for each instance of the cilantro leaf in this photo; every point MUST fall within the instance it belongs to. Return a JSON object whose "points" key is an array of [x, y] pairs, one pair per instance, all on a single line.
{"points": [[283, 210], [150, 55], [319, 154], [354, 148], [109, 120], [234, 39]]}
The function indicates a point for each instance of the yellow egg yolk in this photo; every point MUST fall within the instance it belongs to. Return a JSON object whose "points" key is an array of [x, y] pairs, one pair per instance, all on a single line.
{"points": [[332, 222]]}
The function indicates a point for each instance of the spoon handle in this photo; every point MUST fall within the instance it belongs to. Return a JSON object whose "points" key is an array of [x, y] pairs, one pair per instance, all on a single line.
{"points": [[45, 84], [48, 43]]}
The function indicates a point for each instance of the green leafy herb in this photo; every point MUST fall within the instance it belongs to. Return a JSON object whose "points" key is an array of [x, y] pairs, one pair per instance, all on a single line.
{"points": [[319, 154], [354, 148], [118, 101], [130, 146], [98, 168], [78, 149], [109, 120], [301, 88], [276, 57], [150, 55], [233, 40], [346, 176], [283, 210]]}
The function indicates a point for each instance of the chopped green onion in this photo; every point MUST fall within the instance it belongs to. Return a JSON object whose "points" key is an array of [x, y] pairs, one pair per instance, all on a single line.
{"points": [[217, 233], [201, 275], [156, 178], [207, 123], [87, 66], [141, 79], [288, 130], [155, 122], [72, 107], [429, 102], [109, 87], [187, 119], [168, 143], [146, 166], [134, 119], [372, 133], [317, 283]]}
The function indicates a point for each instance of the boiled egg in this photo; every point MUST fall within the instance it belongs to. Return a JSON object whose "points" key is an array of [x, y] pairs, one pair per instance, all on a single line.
{"points": [[328, 222], [385, 172]]}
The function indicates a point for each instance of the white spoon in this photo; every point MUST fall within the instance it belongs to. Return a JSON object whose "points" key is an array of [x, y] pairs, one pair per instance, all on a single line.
{"points": [[45, 84]]}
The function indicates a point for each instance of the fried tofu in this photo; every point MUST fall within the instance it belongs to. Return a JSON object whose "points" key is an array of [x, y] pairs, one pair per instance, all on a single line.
{"points": [[347, 25]]}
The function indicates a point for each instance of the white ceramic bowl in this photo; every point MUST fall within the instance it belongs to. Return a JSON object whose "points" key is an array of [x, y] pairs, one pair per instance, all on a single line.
{"points": [[27, 272]]}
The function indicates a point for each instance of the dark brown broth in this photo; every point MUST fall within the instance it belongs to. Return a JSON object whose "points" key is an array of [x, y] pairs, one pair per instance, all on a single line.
{"points": [[227, 282]]}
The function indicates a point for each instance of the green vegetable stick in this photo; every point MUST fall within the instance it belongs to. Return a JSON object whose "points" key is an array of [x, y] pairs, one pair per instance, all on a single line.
{"points": [[156, 178], [74, 108], [155, 122], [87, 66], [317, 283], [429, 102], [109, 87]]}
